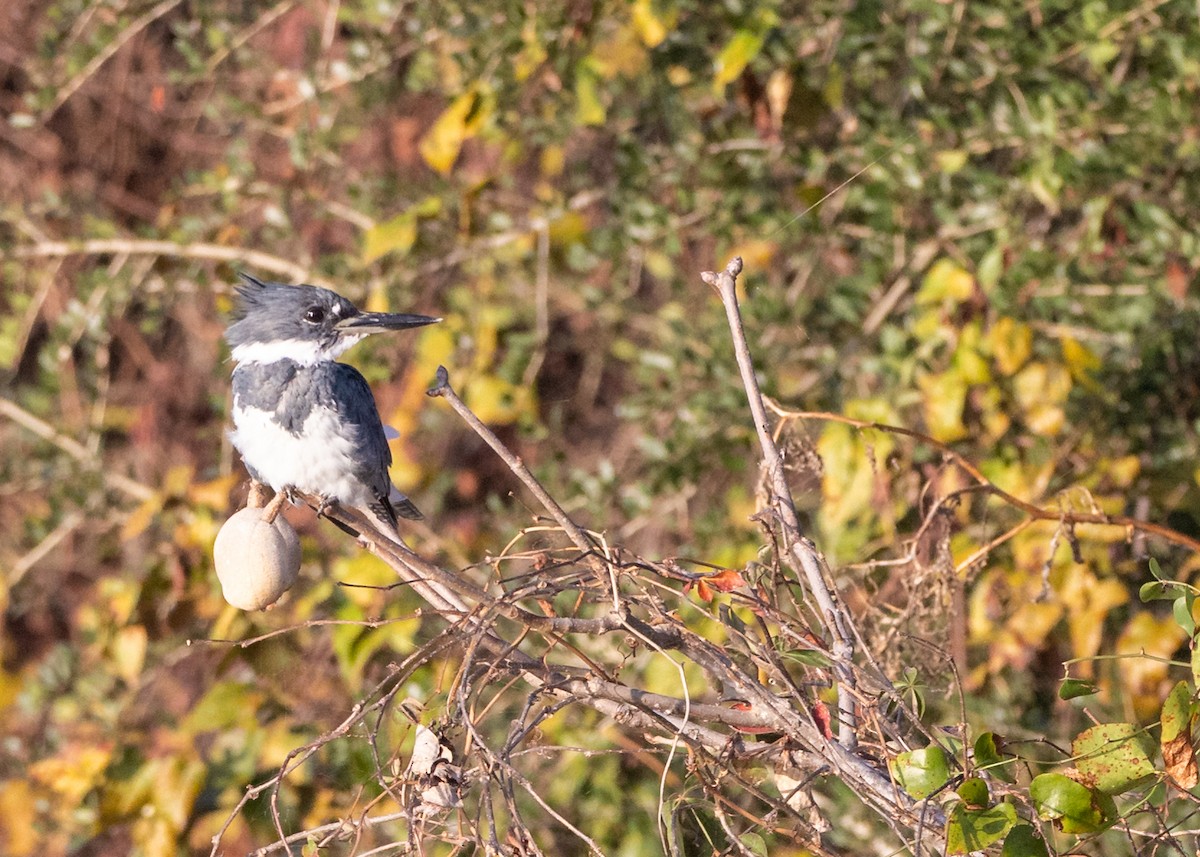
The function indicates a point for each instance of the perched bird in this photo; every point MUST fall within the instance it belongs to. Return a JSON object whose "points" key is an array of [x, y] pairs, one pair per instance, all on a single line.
{"points": [[302, 420]]}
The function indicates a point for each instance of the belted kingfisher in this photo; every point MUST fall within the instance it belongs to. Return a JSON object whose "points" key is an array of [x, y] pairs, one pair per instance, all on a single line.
{"points": [[304, 421]]}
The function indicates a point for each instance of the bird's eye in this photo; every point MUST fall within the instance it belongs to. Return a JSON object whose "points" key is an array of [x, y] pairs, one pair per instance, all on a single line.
{"points": [[314, 314]]}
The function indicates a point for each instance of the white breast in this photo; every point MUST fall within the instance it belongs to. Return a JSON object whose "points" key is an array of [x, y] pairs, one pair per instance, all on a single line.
{"points": [[320, 460]]}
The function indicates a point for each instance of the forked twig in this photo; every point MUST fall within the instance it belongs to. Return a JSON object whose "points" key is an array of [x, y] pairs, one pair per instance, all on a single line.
{"points": [[801, 548]]}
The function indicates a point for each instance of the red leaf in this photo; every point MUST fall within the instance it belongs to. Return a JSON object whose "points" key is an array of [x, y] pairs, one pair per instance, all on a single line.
{"points": [[820, 713], [704, 591], [742, 705], [726, 580]]}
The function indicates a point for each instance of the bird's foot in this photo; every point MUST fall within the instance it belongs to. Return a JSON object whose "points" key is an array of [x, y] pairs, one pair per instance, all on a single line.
{"points": [[272, 510]]}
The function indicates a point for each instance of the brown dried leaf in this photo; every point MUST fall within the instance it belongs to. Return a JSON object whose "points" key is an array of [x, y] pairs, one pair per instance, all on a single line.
{"points": [[1179, 757]]}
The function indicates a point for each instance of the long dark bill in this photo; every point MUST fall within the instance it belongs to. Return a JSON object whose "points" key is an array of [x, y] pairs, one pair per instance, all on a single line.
{"points": [[374, 322]]}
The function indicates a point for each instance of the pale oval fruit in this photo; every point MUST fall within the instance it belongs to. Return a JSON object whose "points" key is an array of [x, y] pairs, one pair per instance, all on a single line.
{"points": [[256, 562]]}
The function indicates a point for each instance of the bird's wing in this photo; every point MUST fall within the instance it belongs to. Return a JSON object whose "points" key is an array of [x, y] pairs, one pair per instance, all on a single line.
{"points": [[351, 397]]}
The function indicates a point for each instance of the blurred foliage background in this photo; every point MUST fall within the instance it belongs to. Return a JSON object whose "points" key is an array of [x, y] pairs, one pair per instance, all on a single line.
{"points": [[973, 220]]}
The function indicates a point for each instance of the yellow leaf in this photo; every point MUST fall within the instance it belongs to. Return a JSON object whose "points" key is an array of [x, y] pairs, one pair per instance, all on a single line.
{"points": [[943, 396], [553, 160], [968, 359], [588, 108], [679, 75], [434, 348], [569, 229], [395, 235], [1011, 342], [1143, 678], [877, 410], [18, 817], [141, 517], [950, 161], [73, 772], [947, 283], [1023, 635], [177, 781], [213, 494], [756, 253], [1089, 600], [129, 652], [621, 54], [457, 124], [532, 53], [1122, 471], [733, 58], [496, 401], [1046, 420], [992, 413], [177, 480], [651, 27], [1040, 389], [1081, 362]]}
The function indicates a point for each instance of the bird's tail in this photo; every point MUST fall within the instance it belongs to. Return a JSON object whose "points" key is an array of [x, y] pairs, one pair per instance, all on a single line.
{"points": [[405, 508]]}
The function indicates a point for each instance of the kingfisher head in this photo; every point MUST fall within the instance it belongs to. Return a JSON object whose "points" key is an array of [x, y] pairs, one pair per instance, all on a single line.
{"points": [[306, 324]]}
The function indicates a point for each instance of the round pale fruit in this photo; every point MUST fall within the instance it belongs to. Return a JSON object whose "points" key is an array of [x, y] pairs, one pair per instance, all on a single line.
{"points": [[256, 561]]}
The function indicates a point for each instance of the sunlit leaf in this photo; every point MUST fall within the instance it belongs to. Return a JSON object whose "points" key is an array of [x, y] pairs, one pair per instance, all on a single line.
{"points": [[921, 772], [1178, 720], [974, 792], [1074, 807], [651, 24], [459, 122], [18, 817], [1073, 688], [970, 830], [399, 234], [943, 397], [946, 283], [1011, 342], [73, 771], [1111, 756], [589, 109], [129, 652]]}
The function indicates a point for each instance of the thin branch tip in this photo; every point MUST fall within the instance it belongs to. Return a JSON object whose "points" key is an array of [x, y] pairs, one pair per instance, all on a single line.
{"points": [[443, 383], [734, 267]]}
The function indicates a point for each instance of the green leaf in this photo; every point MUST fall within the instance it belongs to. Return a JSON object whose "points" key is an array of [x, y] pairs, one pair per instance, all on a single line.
{"points": [[988, 756], [974, 792], [1183, 613], [1177, 712], [1155, 570], [1023, 841], [1073, 807], [1158, 590], [921, 772], [1112, 756], [754, 843], [975, 829], [1075, 687]]}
